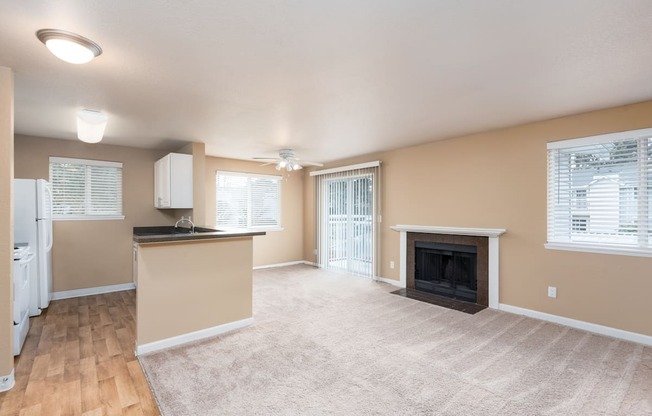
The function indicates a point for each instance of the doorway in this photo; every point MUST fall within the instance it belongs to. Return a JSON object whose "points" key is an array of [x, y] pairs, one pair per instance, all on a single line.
{"points": [[349, 224], [347, 232]]}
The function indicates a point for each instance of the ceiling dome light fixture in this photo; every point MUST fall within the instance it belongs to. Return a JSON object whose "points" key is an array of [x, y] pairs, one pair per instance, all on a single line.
{"points": [[68, 46], [90, 126]]}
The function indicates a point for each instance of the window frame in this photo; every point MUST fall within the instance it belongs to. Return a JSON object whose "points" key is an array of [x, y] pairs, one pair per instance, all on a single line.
{"points": [[85, 163], [643, 247], [249, 176]]}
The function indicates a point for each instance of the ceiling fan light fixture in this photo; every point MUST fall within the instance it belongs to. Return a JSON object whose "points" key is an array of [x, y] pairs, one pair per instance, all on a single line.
{"points": [[286, 160], [90, 126], [68, 46]]}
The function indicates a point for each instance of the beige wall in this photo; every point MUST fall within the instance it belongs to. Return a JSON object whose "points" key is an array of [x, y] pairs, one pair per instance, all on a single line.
{"points": [[498, 179], [190, 286], [6, 219], [96, 253], [277, 246]]}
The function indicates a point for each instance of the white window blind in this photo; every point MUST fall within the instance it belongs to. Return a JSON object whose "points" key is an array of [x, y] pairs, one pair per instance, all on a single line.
{"points": [[86, 189], [600, 193], [246, 200]]}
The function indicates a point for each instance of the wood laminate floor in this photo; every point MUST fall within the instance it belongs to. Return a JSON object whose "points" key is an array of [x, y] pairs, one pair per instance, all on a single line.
{"points": [[78, 359]]}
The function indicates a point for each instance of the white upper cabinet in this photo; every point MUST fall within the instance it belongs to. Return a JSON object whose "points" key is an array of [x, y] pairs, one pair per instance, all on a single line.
{"points": [[173, 181]]}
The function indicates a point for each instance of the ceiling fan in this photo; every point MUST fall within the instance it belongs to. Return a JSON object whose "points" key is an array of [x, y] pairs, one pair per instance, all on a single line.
{"points": [[287, 160]]}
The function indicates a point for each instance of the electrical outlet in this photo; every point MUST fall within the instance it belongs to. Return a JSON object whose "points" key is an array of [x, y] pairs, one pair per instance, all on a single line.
{"points": [[391, 264], [552, 292]]}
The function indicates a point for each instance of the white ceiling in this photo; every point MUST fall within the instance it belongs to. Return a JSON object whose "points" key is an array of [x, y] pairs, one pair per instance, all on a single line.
{"points": [[330, 78]]}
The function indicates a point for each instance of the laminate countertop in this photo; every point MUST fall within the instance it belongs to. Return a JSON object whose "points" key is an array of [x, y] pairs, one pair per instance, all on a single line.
{"points": [[161, 234]]}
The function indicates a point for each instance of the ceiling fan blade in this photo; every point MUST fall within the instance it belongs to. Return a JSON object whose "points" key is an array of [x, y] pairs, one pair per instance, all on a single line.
{"points": [[306, 163], [267, 159], [268, 163]]}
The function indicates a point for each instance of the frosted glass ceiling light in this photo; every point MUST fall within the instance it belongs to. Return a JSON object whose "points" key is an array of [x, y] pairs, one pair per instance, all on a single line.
{"points": [[90, 126], [68, 46]]}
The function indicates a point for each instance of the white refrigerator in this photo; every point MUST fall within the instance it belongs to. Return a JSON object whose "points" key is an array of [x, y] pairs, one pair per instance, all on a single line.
{"points": [[33, 225]]}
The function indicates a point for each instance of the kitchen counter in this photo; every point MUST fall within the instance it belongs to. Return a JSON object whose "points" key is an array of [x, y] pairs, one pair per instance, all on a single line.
{"points": [[190, 285], [162, 234]]}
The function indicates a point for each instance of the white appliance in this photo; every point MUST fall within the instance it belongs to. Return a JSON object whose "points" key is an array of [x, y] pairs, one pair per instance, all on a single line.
{"points": [[23, 257], [33, 225]]}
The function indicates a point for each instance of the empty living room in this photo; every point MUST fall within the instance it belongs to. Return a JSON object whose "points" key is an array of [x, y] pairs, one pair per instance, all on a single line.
{"points": [[326, 208]]}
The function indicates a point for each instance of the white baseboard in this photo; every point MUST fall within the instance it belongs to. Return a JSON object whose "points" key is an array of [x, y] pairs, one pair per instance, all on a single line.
{"points": [[193, 336], [392, 282], [92, 291], [7, 382], [574, 323], [290, 263]]}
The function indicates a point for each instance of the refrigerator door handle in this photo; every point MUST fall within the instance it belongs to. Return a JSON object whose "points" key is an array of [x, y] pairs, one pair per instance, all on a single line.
{"points": [[28, 258], [51, 241]]}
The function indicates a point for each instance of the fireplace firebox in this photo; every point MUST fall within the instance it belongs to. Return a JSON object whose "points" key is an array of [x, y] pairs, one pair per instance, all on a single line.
{"points": [[452, 268], [446, 269]]}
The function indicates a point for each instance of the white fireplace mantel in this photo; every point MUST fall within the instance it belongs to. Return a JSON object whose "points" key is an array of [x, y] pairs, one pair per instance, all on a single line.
{"points": [[481, 232], [491, 233]]}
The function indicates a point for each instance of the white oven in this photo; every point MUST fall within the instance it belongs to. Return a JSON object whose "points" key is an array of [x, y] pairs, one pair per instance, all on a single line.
{"points": [[23, 258]]}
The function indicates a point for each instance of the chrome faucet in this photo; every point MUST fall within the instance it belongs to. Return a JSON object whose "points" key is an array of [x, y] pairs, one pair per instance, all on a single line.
{"points": [[184, 219]]}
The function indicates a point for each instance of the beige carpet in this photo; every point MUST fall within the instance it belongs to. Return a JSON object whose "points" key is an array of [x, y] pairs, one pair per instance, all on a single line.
{"points": [[332, 344]]}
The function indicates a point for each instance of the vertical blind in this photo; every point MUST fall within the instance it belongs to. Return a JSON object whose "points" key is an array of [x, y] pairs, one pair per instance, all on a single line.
{"points": [[600, 190], [245, 200], [347, 213], [85, 189]]}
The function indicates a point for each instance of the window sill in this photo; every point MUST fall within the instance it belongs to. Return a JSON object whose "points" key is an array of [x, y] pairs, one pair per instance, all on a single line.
{"points": [[90, 218], [599, 249], [266, 229]]}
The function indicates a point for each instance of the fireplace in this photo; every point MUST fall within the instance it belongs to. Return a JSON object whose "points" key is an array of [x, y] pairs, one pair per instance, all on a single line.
{"points": [[446, 269], [484, 239], [454, 266]]}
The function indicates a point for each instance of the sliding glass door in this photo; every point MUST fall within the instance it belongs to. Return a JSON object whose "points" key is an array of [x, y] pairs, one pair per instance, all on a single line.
{"points": [[349, 222], [347, 230]]}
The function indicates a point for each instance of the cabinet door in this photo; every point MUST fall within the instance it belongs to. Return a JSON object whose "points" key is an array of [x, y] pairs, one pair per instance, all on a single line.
{"points": [[162, 183], [180, 180]]}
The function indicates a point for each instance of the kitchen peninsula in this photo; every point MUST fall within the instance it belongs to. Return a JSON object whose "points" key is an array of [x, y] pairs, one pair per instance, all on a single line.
{"points": [[190, 285]]}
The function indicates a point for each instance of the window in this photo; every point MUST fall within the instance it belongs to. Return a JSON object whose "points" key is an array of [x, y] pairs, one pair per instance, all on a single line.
{"points": [[246, 200], [600, 193], [579, 223], [580, 198], [86, 189]]}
